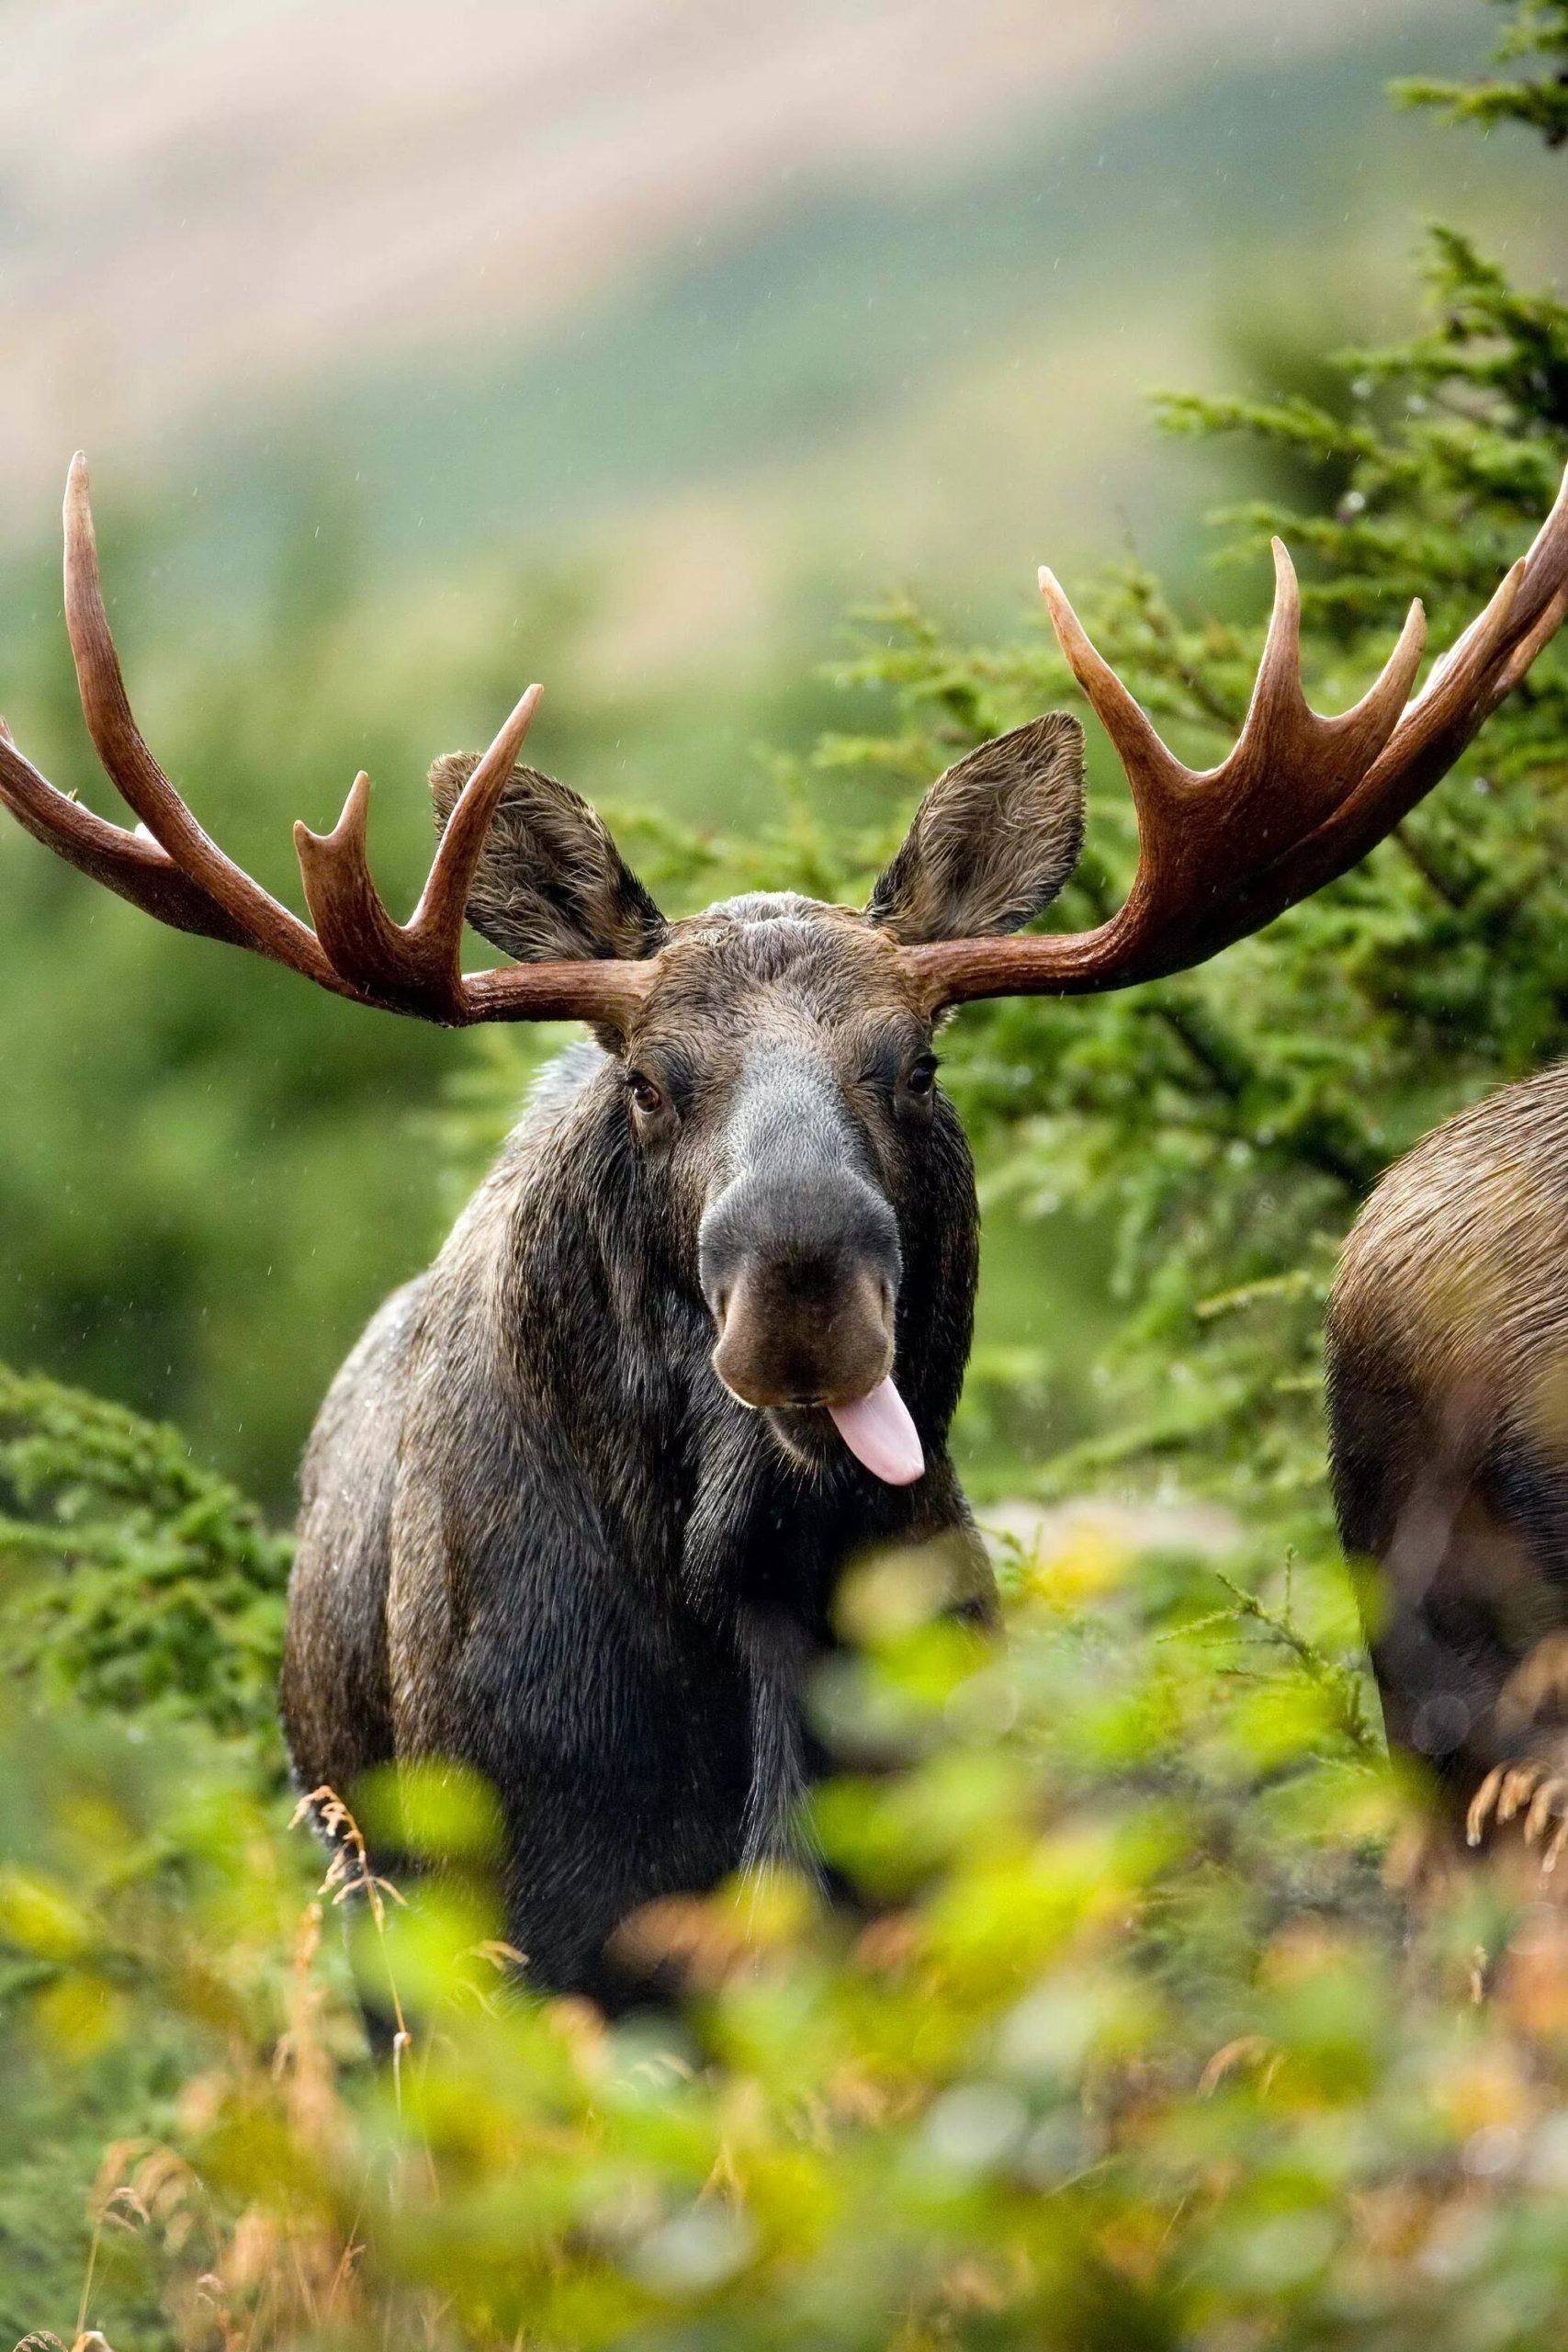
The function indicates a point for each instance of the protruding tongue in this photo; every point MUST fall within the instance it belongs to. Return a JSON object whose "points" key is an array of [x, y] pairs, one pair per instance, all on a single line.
{"points": [[878, 1432]]}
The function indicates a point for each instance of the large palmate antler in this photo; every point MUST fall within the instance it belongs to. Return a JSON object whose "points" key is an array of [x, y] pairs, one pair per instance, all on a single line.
{"points": [[172, 869], [1299, 799]]}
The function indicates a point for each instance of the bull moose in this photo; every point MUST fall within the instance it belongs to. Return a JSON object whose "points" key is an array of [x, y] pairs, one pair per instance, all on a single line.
{"points": [[576, 1507]]}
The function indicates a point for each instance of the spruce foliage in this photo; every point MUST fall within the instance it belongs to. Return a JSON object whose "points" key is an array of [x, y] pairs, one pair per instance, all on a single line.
{"points": [[1229, 1121], [1537, 97], [131, 1580]]}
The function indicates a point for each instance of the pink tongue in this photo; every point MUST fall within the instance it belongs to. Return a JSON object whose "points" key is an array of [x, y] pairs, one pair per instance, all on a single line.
{"points": [[878, 1432]]}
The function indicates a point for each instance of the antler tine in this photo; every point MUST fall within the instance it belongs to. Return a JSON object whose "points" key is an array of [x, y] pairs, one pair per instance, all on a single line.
{"points": [[1528, 607], [445, 894], [1281, 719], [173, 870], [1546, 562], [1459, 670], [419, 961], [1278, 704], [1372, 721], [254, 916], [352, 925], [1465, 686], [130, 864], [1281, 726], [1153, 771], [1298, 801], [1524, 653]]}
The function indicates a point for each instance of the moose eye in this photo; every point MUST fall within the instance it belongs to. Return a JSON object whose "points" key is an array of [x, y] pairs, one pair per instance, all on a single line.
{"points": [[923, 1078], [644, 1093]]}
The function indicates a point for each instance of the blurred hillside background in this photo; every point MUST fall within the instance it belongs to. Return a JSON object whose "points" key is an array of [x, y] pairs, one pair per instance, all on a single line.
{"points": [[421, 353]]}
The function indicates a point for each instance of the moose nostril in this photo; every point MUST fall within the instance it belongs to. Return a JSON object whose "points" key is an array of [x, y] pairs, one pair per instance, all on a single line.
{"points": [[785, 1340]]}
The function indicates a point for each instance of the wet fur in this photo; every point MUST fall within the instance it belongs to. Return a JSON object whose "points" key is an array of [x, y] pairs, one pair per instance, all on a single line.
{"points": [[1448, 1398], [539, 1534], [551, 885]]}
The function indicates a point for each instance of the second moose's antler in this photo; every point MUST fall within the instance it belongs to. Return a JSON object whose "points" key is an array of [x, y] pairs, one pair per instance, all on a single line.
{"points": [[1299, 799]]}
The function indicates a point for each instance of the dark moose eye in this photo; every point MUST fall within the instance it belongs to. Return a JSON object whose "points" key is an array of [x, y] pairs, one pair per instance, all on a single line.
{"points": [[923, 1078], [644, 1092]]}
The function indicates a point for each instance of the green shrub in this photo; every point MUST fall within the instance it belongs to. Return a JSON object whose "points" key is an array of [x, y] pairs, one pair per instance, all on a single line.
{"points": [[129, 1578]]}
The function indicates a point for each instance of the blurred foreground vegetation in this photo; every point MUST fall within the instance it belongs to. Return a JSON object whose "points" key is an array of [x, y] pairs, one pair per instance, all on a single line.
{"points": [[1128, 2043]]}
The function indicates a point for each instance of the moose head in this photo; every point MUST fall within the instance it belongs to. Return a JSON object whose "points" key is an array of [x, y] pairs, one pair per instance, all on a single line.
{"points": [[776, 1054]]}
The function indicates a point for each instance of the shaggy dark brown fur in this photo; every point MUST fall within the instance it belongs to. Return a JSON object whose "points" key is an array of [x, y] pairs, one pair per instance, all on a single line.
{"points": [[552, 887], [541, 1534]]}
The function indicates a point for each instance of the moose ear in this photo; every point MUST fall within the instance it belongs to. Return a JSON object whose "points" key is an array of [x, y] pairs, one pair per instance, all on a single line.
{"points": [[551, 887], [993, 840]]}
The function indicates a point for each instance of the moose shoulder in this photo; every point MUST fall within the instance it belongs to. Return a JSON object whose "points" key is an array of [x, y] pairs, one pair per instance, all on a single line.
{"points": [[576, 1505]]}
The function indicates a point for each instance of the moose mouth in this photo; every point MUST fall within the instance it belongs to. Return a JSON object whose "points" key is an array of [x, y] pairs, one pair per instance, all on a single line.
{"points": [[878, 1429], [774, 1357], [880, 1433]]}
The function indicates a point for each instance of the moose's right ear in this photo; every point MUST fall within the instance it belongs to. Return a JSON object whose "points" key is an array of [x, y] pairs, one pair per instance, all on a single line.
{"points": [[993, 840], [550, 886]]}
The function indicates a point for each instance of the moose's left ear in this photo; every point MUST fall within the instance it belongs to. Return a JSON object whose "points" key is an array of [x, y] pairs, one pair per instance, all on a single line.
{"points": [[993, 840], [551, 885]]}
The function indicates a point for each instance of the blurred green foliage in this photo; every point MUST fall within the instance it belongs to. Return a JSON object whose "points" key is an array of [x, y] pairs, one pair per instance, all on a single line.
{"points": [[1127, 2042], [1130, 2045], [1537, 34], [130, 1580]]}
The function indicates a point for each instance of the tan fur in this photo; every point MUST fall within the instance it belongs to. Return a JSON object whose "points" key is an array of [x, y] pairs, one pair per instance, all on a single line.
{"points": [[1448, 1392], [1455, 1277]]}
